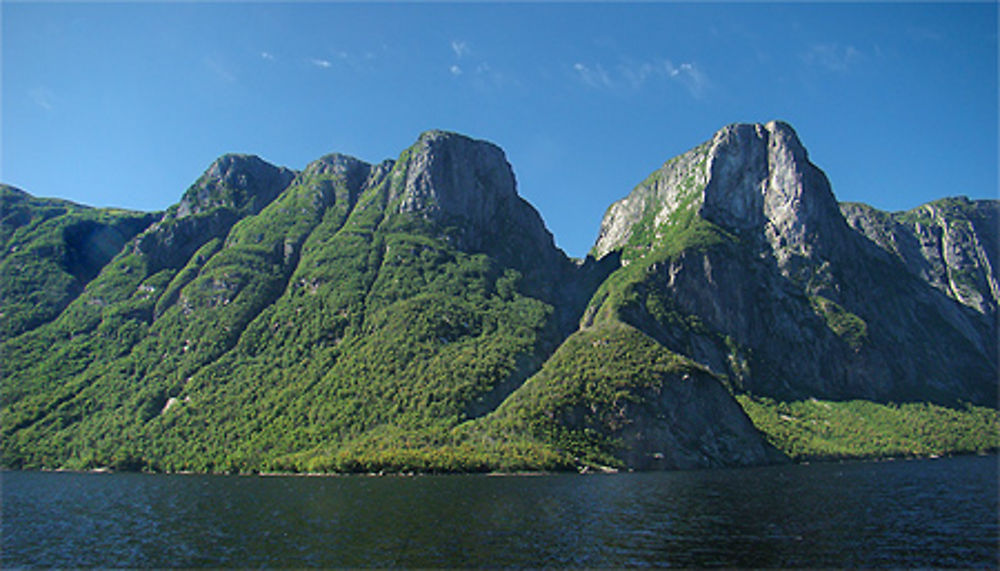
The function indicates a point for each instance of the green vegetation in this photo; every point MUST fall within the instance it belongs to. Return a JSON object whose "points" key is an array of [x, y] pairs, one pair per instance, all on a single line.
{"points": [[589, 391], [849, 327], [461, 449], [958, 208], [638, 294], [815, 429], [328, 330], [319, 335], [50, 250], [684, 231]]}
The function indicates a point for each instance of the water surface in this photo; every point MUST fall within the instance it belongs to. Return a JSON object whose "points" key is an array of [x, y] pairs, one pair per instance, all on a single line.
{"points": [[940, 513]]}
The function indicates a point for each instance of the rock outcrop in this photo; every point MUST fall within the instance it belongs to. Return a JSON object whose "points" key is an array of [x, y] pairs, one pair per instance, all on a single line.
{"points": [[415, 314], [232, 187], [244, 183], [752, 270], [468, 187], [754, 180], [952, 244], [468, 190]]}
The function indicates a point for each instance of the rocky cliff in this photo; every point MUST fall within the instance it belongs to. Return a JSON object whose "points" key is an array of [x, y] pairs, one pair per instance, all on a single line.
{"points": [[950, 244], [749, 267], [416, 315]]}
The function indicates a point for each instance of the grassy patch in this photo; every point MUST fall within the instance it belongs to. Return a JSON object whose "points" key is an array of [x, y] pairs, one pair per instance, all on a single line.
{"points": [[848, 326], [815, 429]]}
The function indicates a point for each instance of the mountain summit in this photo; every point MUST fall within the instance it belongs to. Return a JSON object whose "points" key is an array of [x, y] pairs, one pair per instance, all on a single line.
{"points": [[743, 233], [416, 315], [748, 179], [450, 176]]}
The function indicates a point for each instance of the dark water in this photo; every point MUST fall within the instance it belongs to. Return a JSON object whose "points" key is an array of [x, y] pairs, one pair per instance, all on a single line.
{"points": [[940, 513]]}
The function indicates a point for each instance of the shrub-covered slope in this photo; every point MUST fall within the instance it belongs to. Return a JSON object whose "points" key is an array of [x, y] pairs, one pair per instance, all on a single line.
{"points": [[51, 249], [613, 396], [406, 296], [416, 315]]}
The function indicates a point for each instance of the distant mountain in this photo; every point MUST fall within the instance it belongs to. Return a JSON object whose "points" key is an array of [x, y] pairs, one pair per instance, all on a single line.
{"points": [[416, 315]]}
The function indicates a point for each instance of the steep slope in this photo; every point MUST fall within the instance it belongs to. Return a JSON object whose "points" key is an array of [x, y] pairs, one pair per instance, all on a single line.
{"points": [[51, 249], [400, 318], [951, 244], [613, 396], [54, 364], [416, 315], [400, 298], [736, 255]]}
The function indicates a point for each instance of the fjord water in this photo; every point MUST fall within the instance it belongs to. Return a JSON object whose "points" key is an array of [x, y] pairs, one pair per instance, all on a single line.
{"points": [[940, 513]]}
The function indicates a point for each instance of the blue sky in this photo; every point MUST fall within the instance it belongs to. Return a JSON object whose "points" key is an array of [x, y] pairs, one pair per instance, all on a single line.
{"points": [[124, 105]]}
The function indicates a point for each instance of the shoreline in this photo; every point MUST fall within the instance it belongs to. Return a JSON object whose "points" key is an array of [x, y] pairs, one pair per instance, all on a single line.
{"points": [[582, 471]]}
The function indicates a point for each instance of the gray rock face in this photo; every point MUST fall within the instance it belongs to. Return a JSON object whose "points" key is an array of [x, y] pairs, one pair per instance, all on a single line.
{"points": [[326, 174], [678, 184], [241, 182], [951, 244], [691, 424], [752, 179], [338, 165], [467, 184], [796, 302], [452, 175], [467, 188], [232, 187], [761, 178]]}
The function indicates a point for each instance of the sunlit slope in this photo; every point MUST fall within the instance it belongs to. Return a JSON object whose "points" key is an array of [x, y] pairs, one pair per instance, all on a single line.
{"points": [[416, 315], [359, 297], [50, 250]]}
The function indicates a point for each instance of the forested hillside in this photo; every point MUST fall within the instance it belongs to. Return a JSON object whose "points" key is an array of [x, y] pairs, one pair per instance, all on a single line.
{"points": [[416, 315]]}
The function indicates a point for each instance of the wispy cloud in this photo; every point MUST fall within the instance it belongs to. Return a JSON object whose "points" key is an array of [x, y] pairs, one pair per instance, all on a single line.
{"points": [[593, 75], [338, 59], [267, 56], [632, 75], [477, 71], [220, 69], [832, 57], [691, 77], [42, 97], [461, 48]]}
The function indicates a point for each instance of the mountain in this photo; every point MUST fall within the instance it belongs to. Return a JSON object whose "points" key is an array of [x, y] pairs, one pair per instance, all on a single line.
{"points": [[738, 255], [416, 315], [51, 250], [950, 243]]}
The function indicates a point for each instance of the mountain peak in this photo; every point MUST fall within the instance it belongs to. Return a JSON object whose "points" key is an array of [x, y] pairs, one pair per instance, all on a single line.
{"points": [[446, 176], [416, 314], [238, 181], [335, 164], [747, 163], [760, 177], [749, 178]]}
